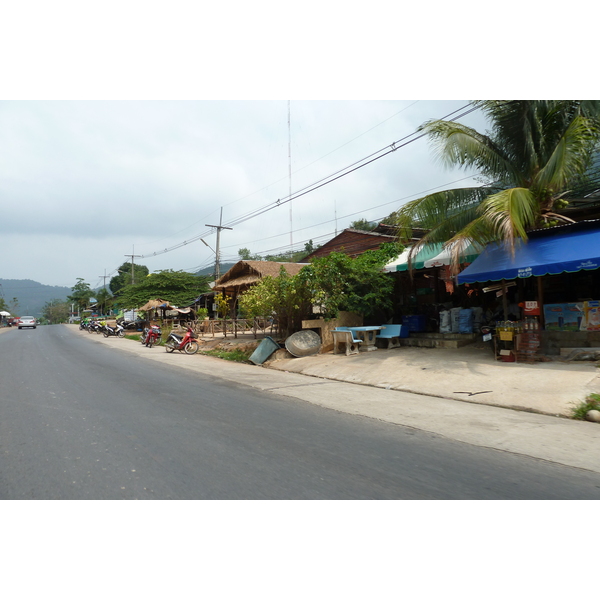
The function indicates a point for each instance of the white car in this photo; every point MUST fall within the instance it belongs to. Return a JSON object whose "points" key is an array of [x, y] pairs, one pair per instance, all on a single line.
{"points": [[27, 322]]}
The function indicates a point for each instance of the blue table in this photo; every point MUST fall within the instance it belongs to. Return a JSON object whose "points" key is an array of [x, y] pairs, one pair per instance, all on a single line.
{"points": [[368, 334]]}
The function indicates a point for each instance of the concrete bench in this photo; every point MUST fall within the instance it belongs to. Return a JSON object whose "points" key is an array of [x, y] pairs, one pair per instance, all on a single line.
{"points": [[344, 342], [392, 334]]}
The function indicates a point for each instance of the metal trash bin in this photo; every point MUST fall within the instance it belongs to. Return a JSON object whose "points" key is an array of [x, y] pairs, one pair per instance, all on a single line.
{"points": [[264, 350]]}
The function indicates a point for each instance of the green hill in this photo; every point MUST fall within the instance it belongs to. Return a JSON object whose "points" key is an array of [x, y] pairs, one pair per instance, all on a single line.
{"points": [[31, 295], [224, 267]]}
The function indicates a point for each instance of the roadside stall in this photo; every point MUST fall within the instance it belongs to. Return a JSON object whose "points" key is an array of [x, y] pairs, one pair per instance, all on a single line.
{"points": [[557, 269]]}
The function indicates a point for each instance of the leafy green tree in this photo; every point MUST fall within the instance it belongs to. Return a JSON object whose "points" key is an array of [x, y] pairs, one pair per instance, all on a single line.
{"points": [[310, 247], [533, 152], [288, 256], [363, 225], [14, 307], [360, 284], [286, 297], [104, 300], [123, 278], [81, 294], [56, 311], [177, 287], [335, 282], [223, 305], [245, 254], [3, 305]]}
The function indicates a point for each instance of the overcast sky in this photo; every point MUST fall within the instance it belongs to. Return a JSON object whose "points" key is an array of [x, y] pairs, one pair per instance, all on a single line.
{"points": [[115, 138], [85, 183]]}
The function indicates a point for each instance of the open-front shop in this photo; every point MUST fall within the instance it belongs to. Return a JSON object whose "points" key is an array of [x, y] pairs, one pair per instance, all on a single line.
{"points": [[426, 296], [548, 287]]}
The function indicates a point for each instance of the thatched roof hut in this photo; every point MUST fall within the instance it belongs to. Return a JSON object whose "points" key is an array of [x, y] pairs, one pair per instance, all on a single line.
{"points": [[245, 273], [158, 303]]}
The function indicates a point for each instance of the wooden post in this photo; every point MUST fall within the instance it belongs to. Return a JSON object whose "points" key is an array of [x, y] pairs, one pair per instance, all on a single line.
{"points": [[540, 295], [504, 300]]}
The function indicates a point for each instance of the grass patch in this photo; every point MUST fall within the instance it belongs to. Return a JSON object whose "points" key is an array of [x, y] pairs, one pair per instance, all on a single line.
{"points": [[136, 337], [592, 402], [235, 355]]}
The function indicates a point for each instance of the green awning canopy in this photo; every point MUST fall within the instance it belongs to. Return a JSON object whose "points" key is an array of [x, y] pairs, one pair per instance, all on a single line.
{"points": [[426, 252]]}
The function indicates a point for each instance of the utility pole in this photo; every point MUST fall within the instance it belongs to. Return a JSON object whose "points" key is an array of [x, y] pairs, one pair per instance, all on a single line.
{"points": [[217, 251], [104, 277], [132, 256]]}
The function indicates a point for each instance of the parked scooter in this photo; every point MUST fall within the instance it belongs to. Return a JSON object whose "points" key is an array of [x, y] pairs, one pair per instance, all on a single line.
{"points": [[151, 336], [186, 343], [117, 331], [94, 327]]}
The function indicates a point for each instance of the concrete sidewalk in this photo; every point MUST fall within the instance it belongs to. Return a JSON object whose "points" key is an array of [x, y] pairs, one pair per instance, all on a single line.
{"points": [[468, 374]]}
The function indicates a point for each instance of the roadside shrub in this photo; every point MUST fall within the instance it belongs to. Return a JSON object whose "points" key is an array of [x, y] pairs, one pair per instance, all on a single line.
{"points": [[236, 355], [579, 411]]}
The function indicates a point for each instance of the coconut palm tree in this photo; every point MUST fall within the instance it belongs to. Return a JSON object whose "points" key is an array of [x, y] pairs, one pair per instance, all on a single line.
{"points": [[532, 153]]}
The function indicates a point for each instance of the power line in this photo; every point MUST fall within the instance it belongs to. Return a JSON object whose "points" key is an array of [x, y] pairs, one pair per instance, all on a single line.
{"points": [[294, 172], [342, 172], [324, 181], [360, 212]]}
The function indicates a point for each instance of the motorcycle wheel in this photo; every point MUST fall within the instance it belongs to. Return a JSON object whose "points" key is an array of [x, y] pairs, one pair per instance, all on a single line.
{"points": [[170, 346], [121, 333], [191, 348], [106, 334], [150, 342]]}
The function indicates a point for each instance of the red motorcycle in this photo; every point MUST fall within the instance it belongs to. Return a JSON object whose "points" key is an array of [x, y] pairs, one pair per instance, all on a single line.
{"points": [[186, 343], [151, 336]]}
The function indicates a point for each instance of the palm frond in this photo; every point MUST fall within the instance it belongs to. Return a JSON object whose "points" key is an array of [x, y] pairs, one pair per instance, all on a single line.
{"points": [[570, 155], [477, 232], [509, 213], [431, 210], [458, 145], [517, 131]]}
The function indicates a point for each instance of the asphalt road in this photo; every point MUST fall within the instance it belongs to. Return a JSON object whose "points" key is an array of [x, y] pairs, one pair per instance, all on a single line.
{"points": [[80, 420]]}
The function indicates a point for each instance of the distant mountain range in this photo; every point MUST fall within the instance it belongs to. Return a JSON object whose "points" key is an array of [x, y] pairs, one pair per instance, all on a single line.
{"points": [[31, 295], [224, 267]]}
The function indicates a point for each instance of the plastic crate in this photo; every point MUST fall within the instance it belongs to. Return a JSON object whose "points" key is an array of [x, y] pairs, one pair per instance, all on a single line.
{"points": [[415, 323]]}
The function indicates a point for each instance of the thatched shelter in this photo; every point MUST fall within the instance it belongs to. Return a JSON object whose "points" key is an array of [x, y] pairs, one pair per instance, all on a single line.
{"points": [[246, 273], [158, 303], [167, 310]]}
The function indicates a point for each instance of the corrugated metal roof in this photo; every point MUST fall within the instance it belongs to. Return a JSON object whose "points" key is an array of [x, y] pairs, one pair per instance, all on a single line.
{"points": [[352, 242]]}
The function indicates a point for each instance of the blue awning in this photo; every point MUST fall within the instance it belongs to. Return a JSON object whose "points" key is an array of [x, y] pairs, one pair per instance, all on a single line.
{"points": [[574, 249]]}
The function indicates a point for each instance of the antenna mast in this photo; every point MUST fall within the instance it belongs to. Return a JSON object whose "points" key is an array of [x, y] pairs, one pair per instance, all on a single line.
{"points": [[290, 172]]}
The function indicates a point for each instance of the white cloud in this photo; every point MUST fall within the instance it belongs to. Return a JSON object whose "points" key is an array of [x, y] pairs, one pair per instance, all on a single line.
{"points": [[96, 179]]}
